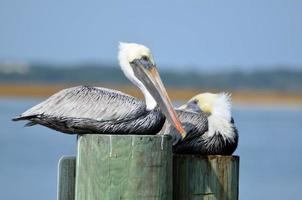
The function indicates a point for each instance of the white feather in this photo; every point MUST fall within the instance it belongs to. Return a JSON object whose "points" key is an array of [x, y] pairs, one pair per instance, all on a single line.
{"points": [[127, 53], [222, 106], [219, 120]]}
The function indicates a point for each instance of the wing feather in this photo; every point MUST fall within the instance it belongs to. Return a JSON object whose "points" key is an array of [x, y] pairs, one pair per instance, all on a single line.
{"points": [[195, 125], [95, 103]]}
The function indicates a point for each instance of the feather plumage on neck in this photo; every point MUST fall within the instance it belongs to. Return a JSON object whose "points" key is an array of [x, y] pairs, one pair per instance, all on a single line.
{"points": [[127, 53], [220, 117]]}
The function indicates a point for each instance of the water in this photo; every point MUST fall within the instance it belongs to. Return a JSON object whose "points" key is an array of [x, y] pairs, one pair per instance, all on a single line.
{"points": [[269, 148], [29, 156]]}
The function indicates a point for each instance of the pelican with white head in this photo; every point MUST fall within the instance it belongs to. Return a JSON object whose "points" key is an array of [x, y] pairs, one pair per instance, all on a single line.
{"points": [[218, 108], [96, 110], [209, 126]]}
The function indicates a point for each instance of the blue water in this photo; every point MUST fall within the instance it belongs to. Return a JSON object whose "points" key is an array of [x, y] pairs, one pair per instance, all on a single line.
{"points": [[269, 148]]}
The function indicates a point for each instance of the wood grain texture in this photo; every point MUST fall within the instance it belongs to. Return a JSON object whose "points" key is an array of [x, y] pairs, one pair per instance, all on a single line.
{"points": [[124, 167], [66, 178], [205, 177]]}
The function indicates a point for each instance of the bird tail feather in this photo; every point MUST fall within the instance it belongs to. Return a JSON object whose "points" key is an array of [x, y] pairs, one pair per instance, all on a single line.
{"points": [[29, 117]]}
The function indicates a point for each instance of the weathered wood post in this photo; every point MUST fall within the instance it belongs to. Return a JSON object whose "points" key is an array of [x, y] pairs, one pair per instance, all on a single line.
{"points": [[205, 177], [124, 167], [66, 178]]}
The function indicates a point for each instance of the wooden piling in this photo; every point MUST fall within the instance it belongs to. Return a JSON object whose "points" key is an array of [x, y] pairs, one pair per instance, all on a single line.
{"points": [[205, 177], [124, 167], [66, 178]]}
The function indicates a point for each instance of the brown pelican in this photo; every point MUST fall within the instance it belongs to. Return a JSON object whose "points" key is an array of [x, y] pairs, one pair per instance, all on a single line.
{"points": [[209, 125], [93, 110]]}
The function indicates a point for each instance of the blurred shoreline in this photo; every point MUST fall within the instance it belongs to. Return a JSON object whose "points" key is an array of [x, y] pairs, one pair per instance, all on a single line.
{"points": [[241, 97]]}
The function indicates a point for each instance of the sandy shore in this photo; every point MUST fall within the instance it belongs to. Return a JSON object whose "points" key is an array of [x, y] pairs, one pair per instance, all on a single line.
{"points": [[239, 97]]}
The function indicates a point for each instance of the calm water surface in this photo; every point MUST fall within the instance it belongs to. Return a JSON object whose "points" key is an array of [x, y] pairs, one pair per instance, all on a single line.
{"points": [[269, 148]]}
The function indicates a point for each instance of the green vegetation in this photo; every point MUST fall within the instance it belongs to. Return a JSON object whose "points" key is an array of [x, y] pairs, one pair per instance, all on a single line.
{"points": [[276, 80]]}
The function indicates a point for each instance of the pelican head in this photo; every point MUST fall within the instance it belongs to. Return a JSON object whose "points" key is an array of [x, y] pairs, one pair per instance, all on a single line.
{"points": [[138, 65], [210, 103], [218, 109]]}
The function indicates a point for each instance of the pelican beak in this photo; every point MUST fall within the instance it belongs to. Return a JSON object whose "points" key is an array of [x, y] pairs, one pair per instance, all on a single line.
{"points": [[147, 73]]}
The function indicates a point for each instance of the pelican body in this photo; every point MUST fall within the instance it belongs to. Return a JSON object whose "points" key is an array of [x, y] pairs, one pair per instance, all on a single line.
{"points": [[93, 110], [86, 109], [209, 126]]}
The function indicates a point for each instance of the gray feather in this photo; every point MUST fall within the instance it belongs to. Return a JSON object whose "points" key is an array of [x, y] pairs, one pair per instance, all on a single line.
{"points": [[85, 109], [89, 102], [193, 123]]}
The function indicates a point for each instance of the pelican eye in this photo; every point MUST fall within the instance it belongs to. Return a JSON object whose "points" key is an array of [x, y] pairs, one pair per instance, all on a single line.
{"points": [[145, 58], [195, 101]]}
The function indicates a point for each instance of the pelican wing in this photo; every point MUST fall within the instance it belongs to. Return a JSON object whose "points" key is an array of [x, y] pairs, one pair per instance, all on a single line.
{"points": [[195, 125], [85, 102]]}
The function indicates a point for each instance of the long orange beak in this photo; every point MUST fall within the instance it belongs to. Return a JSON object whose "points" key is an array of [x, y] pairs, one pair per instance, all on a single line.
{"points": [[171, 114], [151, 80]]}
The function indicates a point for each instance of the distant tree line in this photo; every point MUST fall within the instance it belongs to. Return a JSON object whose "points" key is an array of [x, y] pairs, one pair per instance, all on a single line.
{"points": [[278, 80]]}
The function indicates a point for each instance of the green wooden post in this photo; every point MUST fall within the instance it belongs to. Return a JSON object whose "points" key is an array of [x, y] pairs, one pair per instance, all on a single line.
{"points": [[66, 178], [124, 167], [205, 177]]}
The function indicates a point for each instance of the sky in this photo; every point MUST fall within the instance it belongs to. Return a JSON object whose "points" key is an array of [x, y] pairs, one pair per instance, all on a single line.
{"points": [[199, 34]]}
